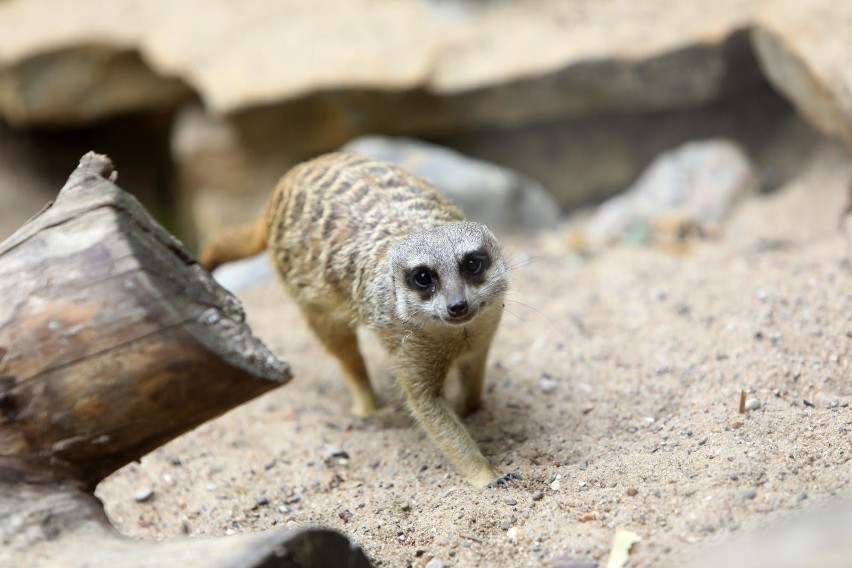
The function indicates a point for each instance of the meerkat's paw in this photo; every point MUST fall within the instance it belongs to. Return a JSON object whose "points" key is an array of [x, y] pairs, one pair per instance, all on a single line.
{"points": [[363, 409], [504, 480]]}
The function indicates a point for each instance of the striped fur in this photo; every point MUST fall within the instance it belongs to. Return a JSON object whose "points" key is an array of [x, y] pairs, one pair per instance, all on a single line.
{"points": [[348, 234]]}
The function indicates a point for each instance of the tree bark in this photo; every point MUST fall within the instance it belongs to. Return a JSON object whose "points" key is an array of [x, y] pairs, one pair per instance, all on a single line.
{"points": [[113, 340]]}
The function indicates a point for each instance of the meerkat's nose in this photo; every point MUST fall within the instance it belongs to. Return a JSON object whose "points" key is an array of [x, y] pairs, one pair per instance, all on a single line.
{"points": [[457, 308]]}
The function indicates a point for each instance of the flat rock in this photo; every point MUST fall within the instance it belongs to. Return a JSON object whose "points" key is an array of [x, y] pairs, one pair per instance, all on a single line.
{"points": [[496, 62], [698, 181], [804, 49]]}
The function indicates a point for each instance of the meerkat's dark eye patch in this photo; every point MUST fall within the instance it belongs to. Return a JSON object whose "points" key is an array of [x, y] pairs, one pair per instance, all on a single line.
{"points": [[422, 279], [473, 265]]}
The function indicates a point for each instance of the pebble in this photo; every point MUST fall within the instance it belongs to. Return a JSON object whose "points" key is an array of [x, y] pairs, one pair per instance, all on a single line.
{"points": [[510, 502], [563, 562], [556, 486], [801, 496], [749, 494], [632, 492], [529, 453], [406, 507], [537, 496], [334, 452], [143, 494], [752, 404], [435, 563], [547, 384], [261, 500], [584, 465], [346, 515]]}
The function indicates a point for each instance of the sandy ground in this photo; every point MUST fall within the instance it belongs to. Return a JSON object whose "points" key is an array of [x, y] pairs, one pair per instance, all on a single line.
{"points": [[614, 387]]}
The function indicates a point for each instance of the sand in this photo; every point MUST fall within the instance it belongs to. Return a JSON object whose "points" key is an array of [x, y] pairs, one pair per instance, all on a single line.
{"points": [[613, 389]]}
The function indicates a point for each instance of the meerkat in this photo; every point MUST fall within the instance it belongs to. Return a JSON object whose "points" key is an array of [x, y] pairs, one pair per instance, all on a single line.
{"points": [[360, 242]]}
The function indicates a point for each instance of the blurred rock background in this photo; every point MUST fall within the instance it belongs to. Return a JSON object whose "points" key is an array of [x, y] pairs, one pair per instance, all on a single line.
{"points": [[205, 104]]}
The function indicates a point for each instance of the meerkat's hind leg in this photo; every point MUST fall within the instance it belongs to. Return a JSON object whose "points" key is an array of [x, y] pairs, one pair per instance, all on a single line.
{"points": [[341, 340], [471, 379]]}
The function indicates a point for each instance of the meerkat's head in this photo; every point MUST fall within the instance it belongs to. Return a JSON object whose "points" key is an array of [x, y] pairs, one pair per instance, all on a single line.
{"points": [[448, 274]]}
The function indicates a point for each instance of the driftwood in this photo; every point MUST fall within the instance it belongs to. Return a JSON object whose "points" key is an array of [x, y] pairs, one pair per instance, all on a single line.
{"points": [[113, 340]]}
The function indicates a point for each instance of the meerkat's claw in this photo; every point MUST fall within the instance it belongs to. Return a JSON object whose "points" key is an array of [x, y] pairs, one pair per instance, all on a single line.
{"points": [[504, 480]]}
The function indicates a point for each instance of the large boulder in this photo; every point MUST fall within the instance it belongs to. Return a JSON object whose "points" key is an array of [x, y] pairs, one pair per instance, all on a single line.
{"points": [[357, 65], [805, 48]]}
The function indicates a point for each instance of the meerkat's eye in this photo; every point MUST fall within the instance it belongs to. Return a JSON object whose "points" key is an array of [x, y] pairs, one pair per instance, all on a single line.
{"points": [[474, 263], [421, 278]]}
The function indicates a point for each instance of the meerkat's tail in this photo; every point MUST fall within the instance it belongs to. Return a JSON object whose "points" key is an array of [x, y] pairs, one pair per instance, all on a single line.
{"points": [[235, 243]]}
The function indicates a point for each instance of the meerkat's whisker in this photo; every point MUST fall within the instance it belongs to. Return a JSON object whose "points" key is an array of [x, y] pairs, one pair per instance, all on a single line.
{"points": [[538, 311], [524, 262], [508, 311]]}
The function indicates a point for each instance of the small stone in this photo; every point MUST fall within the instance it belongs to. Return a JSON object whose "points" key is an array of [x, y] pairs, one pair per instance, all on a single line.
{"points": [[333, 452], [406, 507], [537, 496], [556, 486], [528, 452], [547, 384], [512, 533], [143, 494], [632, 492], [261, 500], [752, 404], [584, 465], [801, 496], [511, 502], [505, 525], [750, 494], [435, 563], [345, 514], [565, 562]]}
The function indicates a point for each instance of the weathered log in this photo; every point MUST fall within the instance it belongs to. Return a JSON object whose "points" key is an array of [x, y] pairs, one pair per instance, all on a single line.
{"points": [[113, 340]]}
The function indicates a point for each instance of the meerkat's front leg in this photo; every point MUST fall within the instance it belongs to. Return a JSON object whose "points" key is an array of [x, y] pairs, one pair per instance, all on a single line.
{"points": [[422, 393]]}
